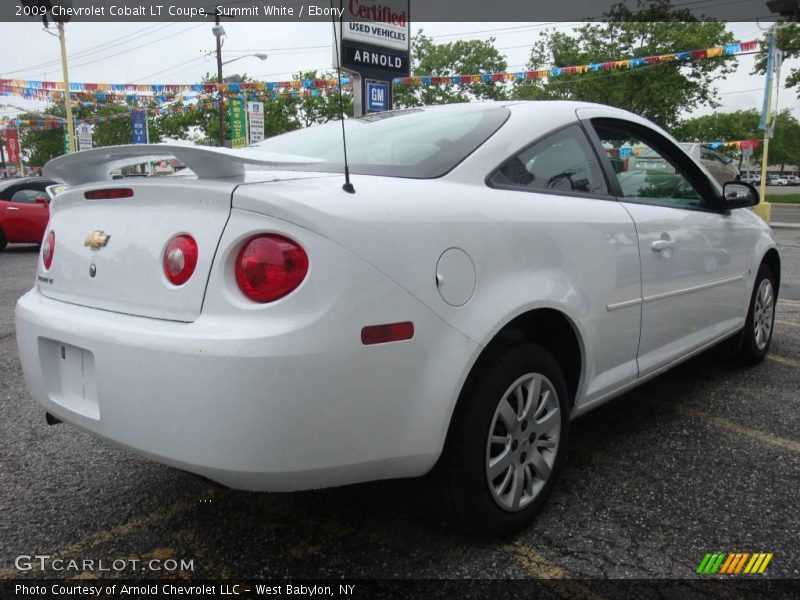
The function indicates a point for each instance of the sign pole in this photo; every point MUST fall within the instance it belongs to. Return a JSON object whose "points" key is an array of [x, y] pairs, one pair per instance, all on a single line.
{"points": [[359, 109], [67, 98], [763, 209]]}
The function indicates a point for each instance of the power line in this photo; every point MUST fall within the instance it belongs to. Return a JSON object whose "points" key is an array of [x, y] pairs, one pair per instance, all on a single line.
{"points": [[191, 60], [137, 47], [97, 48]]}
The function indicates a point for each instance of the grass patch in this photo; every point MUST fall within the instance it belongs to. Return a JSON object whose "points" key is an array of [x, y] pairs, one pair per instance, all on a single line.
{"points": [[783, 198]]}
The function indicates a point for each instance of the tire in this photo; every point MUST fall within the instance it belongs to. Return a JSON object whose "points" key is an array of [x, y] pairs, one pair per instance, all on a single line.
{"points": [[758, 327], [529, 458], [3, 241]]}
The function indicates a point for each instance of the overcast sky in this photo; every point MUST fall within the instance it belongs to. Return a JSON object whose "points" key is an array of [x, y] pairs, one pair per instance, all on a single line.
{"points": [[175, 53]]}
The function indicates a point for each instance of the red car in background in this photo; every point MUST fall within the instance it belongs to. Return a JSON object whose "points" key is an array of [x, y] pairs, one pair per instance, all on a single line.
{"points": [[24, 210]]}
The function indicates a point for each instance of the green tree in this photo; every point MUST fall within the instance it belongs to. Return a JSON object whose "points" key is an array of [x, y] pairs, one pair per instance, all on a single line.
{"points": [[732, 126], [788, 40], [120, 130], [323, 107], [462, 57], [659, 91], [784, 147], [201, 123], [40, 145]]}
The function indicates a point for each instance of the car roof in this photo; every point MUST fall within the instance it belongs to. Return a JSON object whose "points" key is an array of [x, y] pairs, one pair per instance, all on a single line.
{"points": [[7, 183]]}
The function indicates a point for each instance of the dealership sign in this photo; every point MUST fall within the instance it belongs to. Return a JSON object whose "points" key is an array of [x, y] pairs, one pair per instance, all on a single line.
{"points": [[377, 96], [374, 44], [139, 126], [381, 23], [255, 119], [373, 62], [84, 137], [12, 145], [238, 127]]}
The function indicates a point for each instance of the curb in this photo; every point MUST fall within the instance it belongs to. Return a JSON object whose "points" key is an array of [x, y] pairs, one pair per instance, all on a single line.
{"points": [[779, 225]]}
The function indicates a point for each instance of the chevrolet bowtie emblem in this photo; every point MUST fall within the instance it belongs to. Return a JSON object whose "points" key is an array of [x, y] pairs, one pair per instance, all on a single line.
{"points": [[96, 240]]}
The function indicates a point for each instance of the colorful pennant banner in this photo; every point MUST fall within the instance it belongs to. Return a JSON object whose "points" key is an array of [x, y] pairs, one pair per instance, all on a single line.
{"points": [[163, 92]]}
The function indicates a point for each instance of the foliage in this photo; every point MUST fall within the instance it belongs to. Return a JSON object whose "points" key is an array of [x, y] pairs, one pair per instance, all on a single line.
{"points": [[660, 91], [462, 57], [788, 40], [784, 147], [313, 110], [198, 122], [40, 146]]}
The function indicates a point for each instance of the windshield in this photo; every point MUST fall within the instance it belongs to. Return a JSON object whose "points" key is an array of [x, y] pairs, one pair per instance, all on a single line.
{"points": [[412, 143]]}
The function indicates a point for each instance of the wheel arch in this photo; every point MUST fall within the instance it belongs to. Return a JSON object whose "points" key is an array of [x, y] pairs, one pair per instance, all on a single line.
{"points": [[773, 260], [550, 328]]}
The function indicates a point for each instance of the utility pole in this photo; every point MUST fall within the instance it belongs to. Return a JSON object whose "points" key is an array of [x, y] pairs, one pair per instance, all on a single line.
{"points": [[67, 102], [218, 33]]}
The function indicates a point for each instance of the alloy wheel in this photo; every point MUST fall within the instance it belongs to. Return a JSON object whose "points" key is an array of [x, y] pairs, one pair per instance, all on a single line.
{"points": [[523, 441], [763, 314]]}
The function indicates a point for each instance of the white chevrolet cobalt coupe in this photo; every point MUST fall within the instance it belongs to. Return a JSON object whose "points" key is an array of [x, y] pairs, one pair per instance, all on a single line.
{"points": [[499, 269]]}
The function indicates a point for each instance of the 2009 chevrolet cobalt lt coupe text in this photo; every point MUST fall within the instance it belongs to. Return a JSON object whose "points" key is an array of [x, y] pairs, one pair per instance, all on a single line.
{"points": [[500, 269]]}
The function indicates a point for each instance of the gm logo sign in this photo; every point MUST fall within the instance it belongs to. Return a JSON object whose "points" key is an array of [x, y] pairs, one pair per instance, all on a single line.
{"points": [[377, 96]]}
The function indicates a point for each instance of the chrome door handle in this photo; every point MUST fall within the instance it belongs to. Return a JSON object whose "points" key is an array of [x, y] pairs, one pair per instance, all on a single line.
{"points": [[11, 208], [661, 245]]}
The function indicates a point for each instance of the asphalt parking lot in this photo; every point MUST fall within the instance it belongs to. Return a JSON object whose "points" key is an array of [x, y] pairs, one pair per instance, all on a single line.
{"points": [[705, 458]]}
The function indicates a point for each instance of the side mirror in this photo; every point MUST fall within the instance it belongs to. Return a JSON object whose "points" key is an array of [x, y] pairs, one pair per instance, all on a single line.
{"points": [[737, 194], [41, 200]]}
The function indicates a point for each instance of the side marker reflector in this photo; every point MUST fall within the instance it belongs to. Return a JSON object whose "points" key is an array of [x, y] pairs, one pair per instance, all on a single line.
{"points": [[390, 332]]}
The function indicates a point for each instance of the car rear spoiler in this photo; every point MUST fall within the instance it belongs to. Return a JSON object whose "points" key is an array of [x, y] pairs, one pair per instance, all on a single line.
{"points": [[206, 162]]}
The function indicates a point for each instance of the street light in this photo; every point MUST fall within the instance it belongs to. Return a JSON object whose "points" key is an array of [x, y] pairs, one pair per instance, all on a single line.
{"points": [[258, 55]]}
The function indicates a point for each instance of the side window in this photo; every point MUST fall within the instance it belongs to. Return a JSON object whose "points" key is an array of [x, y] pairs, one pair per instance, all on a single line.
{"points": [[26, 196], [708, 154], [645, 174], [561, 162], [5, 195]]}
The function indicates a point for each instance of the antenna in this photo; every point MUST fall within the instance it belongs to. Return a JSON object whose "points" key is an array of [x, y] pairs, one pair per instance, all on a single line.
{"points": [[347, 187]]}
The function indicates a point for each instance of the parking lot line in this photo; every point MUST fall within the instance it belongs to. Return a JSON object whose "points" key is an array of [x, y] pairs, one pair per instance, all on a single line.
{"points": [[118, 532], [553, 576], [756, 434], [783, 360], [792, 323]]}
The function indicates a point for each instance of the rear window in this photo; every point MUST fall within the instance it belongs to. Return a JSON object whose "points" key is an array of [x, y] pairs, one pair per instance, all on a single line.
{"points": [[413, 143]]}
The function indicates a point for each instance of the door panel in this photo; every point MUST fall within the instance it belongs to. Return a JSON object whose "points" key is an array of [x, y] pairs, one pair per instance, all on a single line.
{"points": [[693, 257], [24, 219], [693, 279], [567, 228]]}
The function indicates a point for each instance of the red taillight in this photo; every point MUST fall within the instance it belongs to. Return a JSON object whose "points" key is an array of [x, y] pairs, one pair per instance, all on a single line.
{"points": [[108, 194], [48, 249], [180, 259], [390, 332], [269, 267]]}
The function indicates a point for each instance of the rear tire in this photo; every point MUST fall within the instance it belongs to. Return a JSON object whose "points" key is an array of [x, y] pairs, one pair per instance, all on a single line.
{"points": [[506, 443], [3, 241], [758, 327]]}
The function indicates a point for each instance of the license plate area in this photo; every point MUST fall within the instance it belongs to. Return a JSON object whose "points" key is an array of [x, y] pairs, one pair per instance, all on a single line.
{"points": [[69, 375]]}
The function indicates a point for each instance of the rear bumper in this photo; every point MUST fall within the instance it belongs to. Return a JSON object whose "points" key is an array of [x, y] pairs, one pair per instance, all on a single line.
{"points": [[254, 404]]}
